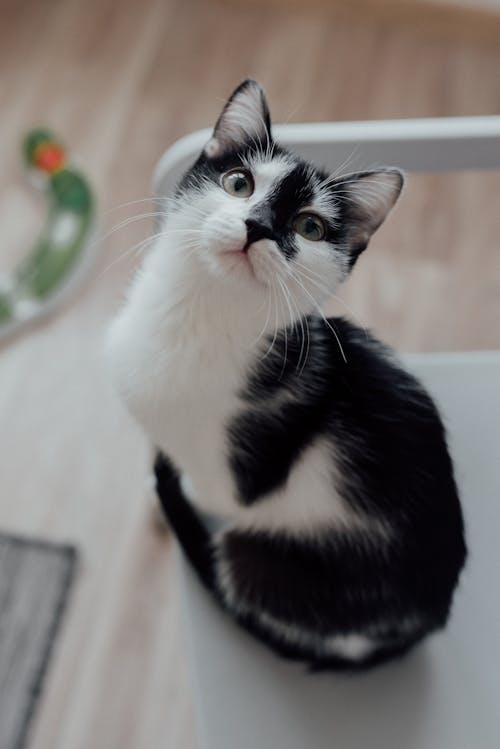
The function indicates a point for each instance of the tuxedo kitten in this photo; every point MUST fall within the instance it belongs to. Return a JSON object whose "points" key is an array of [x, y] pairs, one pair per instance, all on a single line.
{"points": [[341, 535]]}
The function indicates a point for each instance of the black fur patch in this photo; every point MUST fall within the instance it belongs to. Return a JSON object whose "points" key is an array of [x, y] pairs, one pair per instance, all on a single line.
{"points": [[390, 447], [386, 431]]}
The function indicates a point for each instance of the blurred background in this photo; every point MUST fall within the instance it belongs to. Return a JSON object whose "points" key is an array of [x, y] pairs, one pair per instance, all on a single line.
{"points": [[119, 81]]}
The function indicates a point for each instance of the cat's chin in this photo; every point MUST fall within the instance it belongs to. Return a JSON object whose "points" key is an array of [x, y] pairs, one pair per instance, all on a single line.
{"points": [[241, 264]]}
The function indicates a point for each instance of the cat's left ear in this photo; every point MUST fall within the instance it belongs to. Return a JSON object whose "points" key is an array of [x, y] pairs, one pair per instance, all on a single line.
{"points": [[366, 198], [244, 120]]}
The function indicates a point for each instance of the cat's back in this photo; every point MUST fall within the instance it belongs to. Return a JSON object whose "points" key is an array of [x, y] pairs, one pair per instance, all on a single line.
{"points": [[393, 455]]}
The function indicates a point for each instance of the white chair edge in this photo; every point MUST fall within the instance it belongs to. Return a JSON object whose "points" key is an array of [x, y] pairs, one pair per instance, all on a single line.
{"points": [[414, 145]]}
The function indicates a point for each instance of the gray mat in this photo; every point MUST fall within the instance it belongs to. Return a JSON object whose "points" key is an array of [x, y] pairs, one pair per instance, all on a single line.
{"points": [[35, 578]]}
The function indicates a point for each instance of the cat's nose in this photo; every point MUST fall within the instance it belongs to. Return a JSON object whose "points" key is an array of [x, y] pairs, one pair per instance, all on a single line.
{"points": [[258, 228]]}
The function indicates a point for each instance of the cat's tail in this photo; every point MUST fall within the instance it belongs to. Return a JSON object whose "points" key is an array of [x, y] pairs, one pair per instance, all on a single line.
{"points": [[185, 522]]}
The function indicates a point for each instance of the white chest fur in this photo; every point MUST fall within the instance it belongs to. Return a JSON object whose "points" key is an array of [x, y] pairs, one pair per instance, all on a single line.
{"points": [[178, 366]]}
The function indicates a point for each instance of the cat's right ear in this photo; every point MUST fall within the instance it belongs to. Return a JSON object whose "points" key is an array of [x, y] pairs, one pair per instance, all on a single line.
{"points": [[244, 120]]}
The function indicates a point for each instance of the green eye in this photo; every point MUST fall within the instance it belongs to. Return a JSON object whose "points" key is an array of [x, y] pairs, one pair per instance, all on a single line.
{"points": [[310, 226], [238, 183]]}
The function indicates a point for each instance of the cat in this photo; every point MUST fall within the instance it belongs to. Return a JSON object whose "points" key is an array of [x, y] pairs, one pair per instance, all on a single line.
{"points": [[341, 537]]}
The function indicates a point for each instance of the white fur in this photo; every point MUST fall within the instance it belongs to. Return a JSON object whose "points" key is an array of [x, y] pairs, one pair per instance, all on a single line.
{"points": [[353, 647], [195, 318], [309, 501]]}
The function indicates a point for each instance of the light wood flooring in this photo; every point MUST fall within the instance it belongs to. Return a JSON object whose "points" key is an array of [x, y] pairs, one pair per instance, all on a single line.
{"points": [[119, 81]]}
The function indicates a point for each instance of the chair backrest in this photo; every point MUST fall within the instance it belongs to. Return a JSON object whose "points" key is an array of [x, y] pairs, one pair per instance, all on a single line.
{"points": [[424, 145]]}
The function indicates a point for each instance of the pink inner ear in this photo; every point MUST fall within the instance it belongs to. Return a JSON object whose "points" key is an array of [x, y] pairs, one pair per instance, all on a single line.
{"points": [[212, 148]]}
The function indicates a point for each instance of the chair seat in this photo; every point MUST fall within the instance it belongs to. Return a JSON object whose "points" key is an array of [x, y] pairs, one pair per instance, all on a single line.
{"points": [[445, 695]]}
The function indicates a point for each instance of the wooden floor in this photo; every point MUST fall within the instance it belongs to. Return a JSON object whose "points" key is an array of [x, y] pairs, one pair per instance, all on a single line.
{"points": [[120, 81]]}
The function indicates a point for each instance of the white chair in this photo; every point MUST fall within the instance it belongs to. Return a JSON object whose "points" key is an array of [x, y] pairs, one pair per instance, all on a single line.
{"points": [[446, 694]]}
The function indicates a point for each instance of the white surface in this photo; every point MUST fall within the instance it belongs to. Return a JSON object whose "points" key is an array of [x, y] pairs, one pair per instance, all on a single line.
{"points": [[423, 145], [446, 695]]}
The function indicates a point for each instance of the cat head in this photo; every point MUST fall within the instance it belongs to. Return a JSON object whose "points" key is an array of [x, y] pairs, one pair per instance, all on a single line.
{"points": [[253, 214]]}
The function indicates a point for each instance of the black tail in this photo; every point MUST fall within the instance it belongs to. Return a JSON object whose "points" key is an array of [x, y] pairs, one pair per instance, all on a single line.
{"points": [[191, 533]]}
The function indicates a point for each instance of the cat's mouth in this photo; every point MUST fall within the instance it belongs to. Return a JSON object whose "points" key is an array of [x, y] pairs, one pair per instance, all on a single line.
{"points": [[241, 258]]}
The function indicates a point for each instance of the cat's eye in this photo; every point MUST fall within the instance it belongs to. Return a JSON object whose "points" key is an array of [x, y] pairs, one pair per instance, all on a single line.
{"points": [[238, 182], [310, 226]]}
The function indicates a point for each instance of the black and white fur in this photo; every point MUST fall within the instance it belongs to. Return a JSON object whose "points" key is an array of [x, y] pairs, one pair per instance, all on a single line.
{"points": [[342, 537]]}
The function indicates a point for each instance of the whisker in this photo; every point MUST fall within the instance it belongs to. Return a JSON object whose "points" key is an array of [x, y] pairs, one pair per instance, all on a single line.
{"points": [[275, 298], [321, 313], [300, 318], [119, 207], [325, 290], [136, 248], [285, 329], [255, 343]]}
